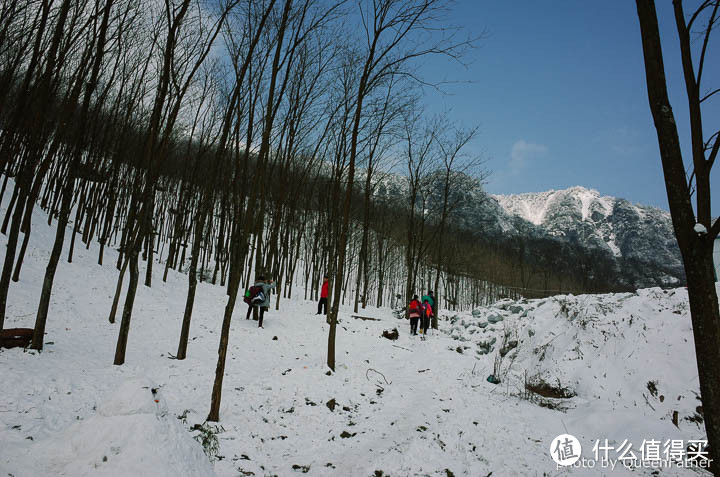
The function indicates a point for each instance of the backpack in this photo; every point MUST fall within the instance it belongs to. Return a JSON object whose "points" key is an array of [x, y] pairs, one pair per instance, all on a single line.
{"points": [[254, 295], [414, 307]]}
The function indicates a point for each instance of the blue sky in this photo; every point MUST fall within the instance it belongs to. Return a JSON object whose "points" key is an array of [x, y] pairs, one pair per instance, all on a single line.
{"points": [[558, 90]]}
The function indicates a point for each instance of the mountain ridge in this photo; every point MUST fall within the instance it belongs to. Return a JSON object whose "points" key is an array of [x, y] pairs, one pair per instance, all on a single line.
{"points": [[606, 239], [635, 232]]}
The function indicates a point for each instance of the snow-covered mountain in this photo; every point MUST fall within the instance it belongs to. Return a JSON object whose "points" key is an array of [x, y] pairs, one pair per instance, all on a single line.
{"points": [[634, 234], [632, 246]]}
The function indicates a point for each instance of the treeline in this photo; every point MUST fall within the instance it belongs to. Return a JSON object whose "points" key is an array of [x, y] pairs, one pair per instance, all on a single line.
{"points": [[232, 138]]}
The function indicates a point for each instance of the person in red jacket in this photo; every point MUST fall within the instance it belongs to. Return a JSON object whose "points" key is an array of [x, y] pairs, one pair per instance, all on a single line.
{"points": [[426, 314], [322, 304], [414, 312]]}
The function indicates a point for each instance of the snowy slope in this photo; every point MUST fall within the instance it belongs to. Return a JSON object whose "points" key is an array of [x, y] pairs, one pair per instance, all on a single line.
{"points": [[534, 207], [605, 349], [69, 411]]}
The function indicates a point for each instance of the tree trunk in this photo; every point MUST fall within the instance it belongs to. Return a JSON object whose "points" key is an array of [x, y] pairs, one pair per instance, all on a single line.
{"points": [[192, 285], [214, 415], [696, 249], [128, 308], [10, 258]]}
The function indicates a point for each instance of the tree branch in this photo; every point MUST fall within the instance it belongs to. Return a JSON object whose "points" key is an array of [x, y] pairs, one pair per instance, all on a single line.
{"points": [[696, 130], [713, 152], [705, 42], [715, 229], [709, 94], [702, 7]]}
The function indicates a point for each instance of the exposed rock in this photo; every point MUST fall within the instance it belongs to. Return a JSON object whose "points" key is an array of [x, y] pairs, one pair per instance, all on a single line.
{"points": [[391, 334], [494, 318]]}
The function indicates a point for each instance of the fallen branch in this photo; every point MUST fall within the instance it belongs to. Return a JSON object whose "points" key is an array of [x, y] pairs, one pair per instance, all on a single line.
{"points": [[15, 337], [365, 318], [406, 349], [381, 374]]}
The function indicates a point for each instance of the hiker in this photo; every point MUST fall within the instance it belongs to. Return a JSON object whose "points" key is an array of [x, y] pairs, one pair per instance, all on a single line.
{"points": [[434, 305], [265, 305], [430, 299], [259, 296], [427, 313], [322, 304], [414, 309]]}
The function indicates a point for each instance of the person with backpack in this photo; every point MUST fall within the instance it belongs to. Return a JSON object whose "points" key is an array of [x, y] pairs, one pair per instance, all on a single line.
{"points": [[258, 295], [322, 304], [434, 305], [427, 313], [265, 305], [414, 312], [430, 300]]}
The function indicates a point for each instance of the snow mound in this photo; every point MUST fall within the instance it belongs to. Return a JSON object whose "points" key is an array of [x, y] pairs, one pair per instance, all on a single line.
{"points": [[131, 434], [621, 366], [134, 396]]}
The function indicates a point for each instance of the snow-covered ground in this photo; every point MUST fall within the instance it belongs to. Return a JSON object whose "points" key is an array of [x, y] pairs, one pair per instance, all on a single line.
{"points": [[405, 407]]}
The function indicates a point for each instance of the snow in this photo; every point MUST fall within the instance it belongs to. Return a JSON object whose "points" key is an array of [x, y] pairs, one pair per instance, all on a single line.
{"points": [[607, 203], [700, 229], [531, 207], [534, 207], [613, 245], [129, 435], [408, 407], [586, 199], [716, 258]]}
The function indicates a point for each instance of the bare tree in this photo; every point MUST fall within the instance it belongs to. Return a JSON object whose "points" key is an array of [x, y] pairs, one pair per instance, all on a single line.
{"points": [[393, 31], [165, 111], [454, 171], [41, 318], [419, 150], [693, 228]]}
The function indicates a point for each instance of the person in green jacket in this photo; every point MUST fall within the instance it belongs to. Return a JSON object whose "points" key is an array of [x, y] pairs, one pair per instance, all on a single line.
{"points": [[429, 298]]}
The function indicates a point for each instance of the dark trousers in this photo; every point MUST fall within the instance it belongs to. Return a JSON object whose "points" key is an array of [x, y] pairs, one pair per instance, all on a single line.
{"points": [[322, 305], [260, 317], [414, 325], [425, 324]]}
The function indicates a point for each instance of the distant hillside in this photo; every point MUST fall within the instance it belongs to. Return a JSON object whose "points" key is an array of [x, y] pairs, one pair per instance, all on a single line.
{"points": [[640, 238]]}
